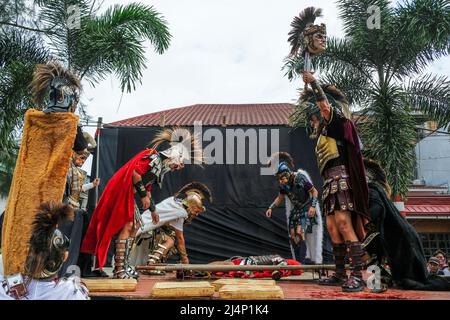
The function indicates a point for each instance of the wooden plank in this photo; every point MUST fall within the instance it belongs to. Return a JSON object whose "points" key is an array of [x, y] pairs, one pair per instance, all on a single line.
{"points": [[250, 292], [110, 285], [233, 281], [182, 289]]}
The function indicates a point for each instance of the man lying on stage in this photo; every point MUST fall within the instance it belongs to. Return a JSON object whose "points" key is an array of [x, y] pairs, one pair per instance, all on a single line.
{"points": [[302, 211], [167, 237], [267, 260], [117, 212], [48, 249]]}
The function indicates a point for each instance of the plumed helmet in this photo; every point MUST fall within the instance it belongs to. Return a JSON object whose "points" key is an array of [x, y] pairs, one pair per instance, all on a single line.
{"points": [[48, 245], [281, 163], [54, 88], [178, 145], [194, 195], [306, 107], [303, 30]]}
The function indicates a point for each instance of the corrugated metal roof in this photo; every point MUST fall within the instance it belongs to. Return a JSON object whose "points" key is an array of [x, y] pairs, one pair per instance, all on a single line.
{"points": [[213, 115]]}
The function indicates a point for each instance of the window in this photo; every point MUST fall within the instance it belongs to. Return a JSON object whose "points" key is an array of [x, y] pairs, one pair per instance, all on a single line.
{"points": [[434, 241]]}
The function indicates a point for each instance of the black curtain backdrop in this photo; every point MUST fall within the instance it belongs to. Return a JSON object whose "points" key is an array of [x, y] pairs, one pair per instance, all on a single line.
{"points": [[235, 224]]}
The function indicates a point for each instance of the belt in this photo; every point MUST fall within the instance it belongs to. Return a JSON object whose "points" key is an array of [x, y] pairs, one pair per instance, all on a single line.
{"points": [[334, 171]]}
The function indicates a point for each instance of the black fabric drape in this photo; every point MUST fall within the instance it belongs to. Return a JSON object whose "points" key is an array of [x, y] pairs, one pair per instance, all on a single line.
{"points": [[74, 231], [235, 224]]}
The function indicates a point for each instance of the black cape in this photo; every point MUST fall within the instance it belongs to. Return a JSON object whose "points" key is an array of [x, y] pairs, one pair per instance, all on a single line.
{"points": [[399, 241]]}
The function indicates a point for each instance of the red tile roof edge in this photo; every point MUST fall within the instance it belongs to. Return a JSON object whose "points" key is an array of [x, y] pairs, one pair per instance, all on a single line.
{"points": [[212, 114]]}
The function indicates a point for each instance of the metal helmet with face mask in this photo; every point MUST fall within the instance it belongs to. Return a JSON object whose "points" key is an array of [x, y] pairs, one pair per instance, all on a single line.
{"points": [[306, 110], [48, 244], [193, 196], [175, 147], [54, 88]]}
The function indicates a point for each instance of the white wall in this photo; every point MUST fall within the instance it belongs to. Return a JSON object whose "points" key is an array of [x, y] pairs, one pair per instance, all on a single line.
{"points": [[433, 155]]}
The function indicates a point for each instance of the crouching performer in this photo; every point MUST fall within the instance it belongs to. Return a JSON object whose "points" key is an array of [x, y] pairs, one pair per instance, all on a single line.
{"points": [[345, 191], [117, 211], [157, 242], [48, 249], [393, 242], [302, 207]]}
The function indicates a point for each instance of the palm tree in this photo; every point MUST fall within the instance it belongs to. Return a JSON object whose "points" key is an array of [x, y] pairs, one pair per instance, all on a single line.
{"points": [[19, 53], [381, 71], [97, 46], [110, 43]]}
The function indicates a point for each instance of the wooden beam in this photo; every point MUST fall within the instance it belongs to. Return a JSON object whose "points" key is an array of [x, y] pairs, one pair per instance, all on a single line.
{"points": [[226, 268]]}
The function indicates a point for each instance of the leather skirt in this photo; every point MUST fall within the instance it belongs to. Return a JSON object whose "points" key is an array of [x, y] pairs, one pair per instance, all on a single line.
{"points": [[337, 193]]}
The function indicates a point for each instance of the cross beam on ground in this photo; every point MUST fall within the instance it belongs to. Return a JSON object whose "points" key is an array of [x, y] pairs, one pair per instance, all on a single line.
{"points": [[226, 268]]}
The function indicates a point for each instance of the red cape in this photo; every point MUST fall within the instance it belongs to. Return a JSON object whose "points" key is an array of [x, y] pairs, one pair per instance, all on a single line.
{"points": [[114, 209]]}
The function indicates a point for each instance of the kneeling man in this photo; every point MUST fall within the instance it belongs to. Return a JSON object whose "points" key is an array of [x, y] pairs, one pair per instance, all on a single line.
{"points": [[157, 242]]}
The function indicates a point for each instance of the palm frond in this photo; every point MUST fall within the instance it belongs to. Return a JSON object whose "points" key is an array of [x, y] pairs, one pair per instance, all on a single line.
{"points": [[430, 94], [19, 52], [389, 137], [140, 22], [353, 84], [421, 35], [113, 43]]}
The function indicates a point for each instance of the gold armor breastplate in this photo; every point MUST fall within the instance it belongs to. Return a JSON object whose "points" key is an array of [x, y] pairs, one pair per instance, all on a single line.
{"points": [[326, 149]]}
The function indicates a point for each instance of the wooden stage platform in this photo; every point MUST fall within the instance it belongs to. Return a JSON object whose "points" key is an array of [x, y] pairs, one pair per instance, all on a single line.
{"points": [[294, 288]]}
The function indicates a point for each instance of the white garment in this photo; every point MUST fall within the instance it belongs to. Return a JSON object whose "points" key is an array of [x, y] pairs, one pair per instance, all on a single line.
{"points": [[177, 224], [170, 212], [87, 186], [313, 240], [64, 289]]}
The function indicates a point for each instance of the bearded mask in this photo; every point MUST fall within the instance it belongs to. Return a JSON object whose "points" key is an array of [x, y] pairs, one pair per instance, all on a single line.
{"points": [[315, 39], [305, 35]]}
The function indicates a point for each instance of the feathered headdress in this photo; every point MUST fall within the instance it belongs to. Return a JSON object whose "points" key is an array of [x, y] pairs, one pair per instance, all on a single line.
{"points": [[303, 28], [47, 243], [307, 107], [55, 85], [178, 144]]}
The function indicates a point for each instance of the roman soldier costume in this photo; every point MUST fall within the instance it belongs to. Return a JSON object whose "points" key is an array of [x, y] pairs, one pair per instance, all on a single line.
{"points": [[338, 150], [340, 163], [174, 213], [48, 247], [117, 207], [299, 200]]}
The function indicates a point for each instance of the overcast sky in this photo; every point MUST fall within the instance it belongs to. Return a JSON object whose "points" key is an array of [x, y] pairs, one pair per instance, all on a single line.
{"points": [[222, 51]]}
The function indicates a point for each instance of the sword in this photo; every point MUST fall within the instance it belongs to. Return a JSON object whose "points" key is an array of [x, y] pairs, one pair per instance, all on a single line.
{"points": [[308, 65]]}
